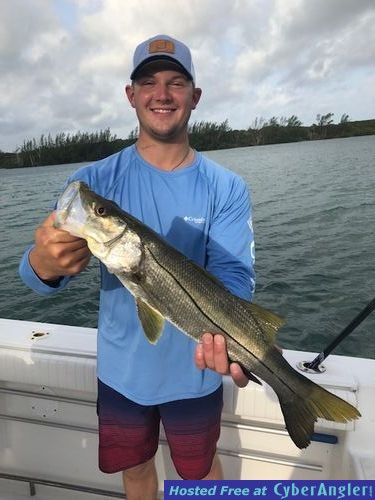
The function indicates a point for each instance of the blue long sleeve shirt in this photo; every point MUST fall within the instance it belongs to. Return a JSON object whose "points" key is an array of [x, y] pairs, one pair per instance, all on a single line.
{"points": [[204, 211]]}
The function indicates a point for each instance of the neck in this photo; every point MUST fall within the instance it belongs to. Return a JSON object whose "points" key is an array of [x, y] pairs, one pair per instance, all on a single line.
{"points": [[165, 156]]}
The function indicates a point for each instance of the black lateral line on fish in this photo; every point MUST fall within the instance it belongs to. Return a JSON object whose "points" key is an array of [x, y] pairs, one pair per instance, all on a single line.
{"points": [[220, 330], [192, 298]]}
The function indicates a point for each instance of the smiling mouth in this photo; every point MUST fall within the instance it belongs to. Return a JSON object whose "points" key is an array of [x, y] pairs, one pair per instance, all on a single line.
{"points": [[162, 111]]}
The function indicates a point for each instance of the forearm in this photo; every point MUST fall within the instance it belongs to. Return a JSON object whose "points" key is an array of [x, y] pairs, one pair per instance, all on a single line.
{"points": [[230, 249]]}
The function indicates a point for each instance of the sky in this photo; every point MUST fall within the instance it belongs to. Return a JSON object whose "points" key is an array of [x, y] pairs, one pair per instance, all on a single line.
{"points": [[64, 63]]}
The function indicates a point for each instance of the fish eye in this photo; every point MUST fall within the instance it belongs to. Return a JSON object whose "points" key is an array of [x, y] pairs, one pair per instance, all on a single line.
{"points": [[100, 210]]}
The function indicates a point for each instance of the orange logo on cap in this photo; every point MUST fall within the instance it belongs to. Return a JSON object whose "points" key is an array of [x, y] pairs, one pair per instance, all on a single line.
{"points": [[161, 46]]}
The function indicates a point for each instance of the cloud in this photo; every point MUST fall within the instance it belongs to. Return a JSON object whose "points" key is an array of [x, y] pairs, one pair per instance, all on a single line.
{"points": [[64, 63]]}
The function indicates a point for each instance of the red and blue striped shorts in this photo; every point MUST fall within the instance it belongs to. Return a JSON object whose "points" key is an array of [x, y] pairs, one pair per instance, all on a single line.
{"points": [[129, 432]]}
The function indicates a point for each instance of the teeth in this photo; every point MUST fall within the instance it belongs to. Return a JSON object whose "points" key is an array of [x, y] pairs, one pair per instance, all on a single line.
{"points": [[162, 110]]}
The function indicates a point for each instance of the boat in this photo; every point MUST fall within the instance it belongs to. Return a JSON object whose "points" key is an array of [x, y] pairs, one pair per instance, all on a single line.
{"points": [[48, 423]]}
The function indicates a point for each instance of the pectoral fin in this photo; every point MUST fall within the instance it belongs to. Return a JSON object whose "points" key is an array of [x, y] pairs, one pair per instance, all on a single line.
{"points": [[152, 321]]}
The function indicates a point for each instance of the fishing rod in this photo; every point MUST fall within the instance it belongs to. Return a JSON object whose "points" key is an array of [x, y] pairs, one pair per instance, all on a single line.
{"points": [[314, 365]]}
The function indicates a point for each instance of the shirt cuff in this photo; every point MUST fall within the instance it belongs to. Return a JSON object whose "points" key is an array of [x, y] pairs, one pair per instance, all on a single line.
{"points": [[32, 280]]}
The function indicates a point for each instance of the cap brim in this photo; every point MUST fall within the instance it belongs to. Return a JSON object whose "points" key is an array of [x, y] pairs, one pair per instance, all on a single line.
{"points": [[155, 58]]}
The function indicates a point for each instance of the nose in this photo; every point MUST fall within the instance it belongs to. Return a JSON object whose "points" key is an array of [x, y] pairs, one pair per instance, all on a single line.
{"points": [[162, 92]]}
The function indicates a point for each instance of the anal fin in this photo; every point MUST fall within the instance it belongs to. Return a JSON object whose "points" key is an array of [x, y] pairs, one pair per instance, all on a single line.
{"points": [[251, 376], [247, 372]]}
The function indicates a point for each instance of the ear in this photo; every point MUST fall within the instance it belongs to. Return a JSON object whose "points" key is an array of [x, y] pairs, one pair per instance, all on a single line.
{"points": [[129, 90], [197, 92]]}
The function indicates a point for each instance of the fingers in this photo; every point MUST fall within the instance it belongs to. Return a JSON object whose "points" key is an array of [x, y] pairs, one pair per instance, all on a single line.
{"points": [[220, 355], [238, 376], [56, 252], [199, 357], [79, 265], [49, 220], [76, 245], [204, 356], [57, 242], [47, 233], [71, 256], [212, 353]]}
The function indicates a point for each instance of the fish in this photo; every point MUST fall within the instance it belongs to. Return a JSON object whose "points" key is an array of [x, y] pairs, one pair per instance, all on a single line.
{"points": [[167, 286]]}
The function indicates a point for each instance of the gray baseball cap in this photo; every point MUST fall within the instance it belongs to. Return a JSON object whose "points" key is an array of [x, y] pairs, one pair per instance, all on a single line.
{"points": [[163, 47]]}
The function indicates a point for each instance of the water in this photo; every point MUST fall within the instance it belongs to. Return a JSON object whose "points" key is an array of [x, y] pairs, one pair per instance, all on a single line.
{"points": [[314, 208]]}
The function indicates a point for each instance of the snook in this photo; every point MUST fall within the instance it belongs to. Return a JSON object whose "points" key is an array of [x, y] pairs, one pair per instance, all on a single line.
{"points": [[166, 285]]}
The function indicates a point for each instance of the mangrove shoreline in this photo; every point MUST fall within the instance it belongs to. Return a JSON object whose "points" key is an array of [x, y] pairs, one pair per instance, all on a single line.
{"points": [[204, 136]]}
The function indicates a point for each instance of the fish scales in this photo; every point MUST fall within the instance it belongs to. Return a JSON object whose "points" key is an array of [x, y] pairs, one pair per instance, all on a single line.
{"points": [[213, 298], [172, 301], [218, 311], [185, 291]]}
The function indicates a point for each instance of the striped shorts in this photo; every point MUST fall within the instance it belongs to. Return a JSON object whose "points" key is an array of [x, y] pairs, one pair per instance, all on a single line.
{"points": [[129, 432]]}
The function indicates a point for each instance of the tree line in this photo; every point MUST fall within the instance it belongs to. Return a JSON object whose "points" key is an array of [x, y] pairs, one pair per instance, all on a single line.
{"points": [[204, 136]]}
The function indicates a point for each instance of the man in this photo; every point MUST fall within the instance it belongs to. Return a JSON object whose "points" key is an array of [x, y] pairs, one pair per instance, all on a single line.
{"points": [[203, 210]]}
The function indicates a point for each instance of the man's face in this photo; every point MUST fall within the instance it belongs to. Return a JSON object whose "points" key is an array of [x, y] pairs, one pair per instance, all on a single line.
{"points": [[163, 98]]}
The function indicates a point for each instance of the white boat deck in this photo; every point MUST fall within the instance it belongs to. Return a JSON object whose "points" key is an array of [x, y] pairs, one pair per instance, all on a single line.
{"points": [[48, 420], [15, 490]]}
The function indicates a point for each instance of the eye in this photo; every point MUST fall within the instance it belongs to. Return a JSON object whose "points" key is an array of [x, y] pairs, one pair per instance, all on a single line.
{"points": [[146, 82], [100, 210]]}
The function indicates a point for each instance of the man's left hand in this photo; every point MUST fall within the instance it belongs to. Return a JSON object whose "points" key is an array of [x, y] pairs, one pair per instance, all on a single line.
{"points": [[212, 353]]}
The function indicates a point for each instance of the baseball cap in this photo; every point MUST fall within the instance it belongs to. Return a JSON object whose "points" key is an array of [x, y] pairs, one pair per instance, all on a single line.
{"points": [[163, 47]]}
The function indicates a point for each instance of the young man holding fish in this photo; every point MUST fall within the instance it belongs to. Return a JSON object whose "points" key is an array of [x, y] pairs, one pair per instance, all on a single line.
{"points": [[204, 211]]}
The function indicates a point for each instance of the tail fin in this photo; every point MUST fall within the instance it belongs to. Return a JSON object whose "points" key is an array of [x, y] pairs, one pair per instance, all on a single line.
{"points": [[301, 413]]}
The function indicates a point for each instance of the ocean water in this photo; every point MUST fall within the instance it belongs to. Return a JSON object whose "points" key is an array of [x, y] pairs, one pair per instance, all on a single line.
{"points": [[313, 214]]}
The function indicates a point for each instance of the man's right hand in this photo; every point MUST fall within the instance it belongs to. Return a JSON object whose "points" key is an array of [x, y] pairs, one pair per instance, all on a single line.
{"points": [[57, 253]]}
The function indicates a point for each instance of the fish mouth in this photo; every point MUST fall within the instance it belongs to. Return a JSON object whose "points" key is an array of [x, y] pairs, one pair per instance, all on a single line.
{"points": [[71, 215]]}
